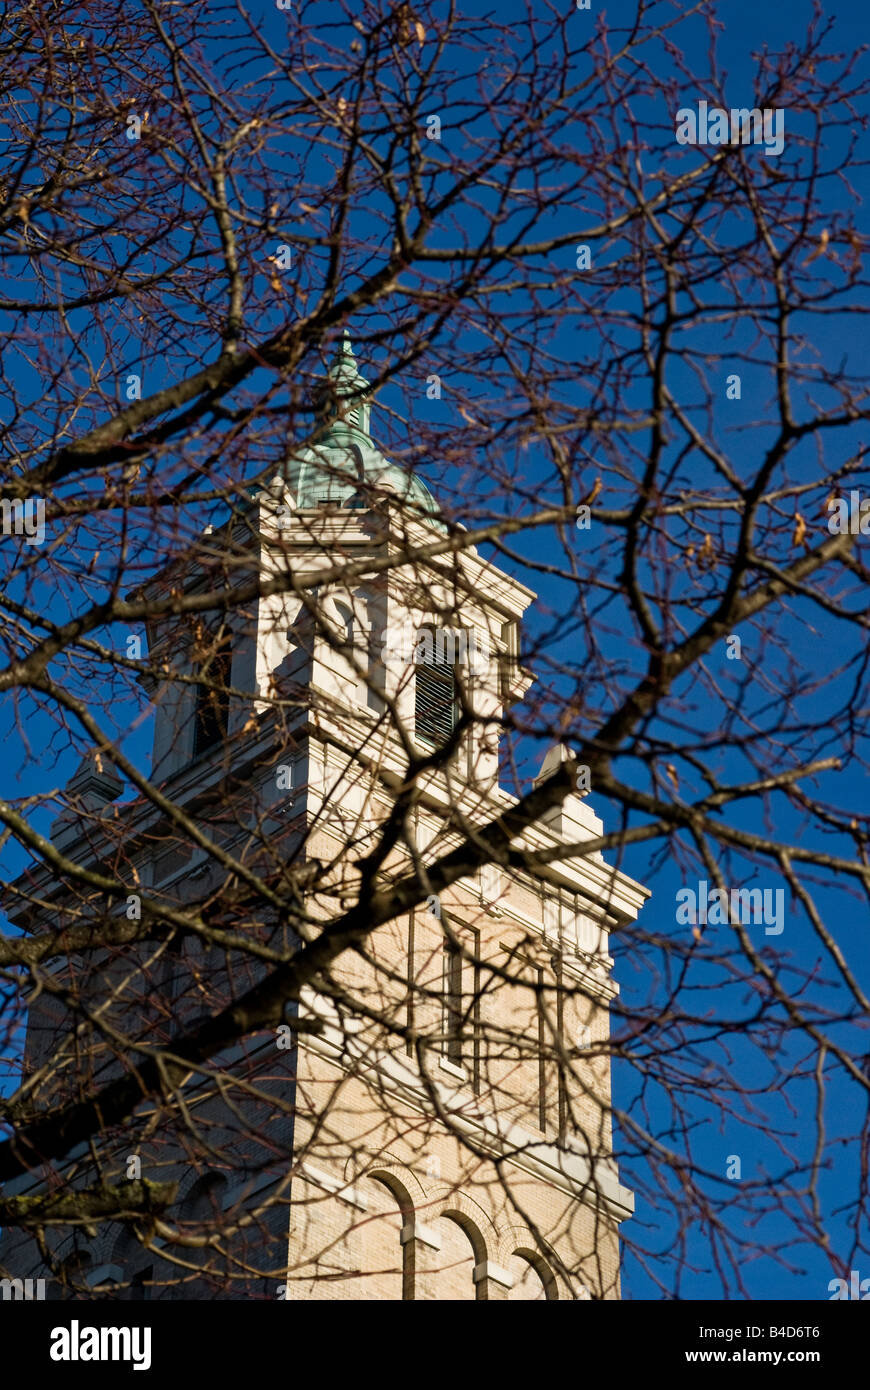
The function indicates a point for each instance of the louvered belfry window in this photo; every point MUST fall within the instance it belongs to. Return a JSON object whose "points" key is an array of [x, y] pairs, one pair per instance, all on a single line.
{"points": [[436, 702]]}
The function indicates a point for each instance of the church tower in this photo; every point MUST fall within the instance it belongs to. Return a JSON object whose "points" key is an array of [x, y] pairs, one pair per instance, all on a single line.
{"points": [[439, 1125]]}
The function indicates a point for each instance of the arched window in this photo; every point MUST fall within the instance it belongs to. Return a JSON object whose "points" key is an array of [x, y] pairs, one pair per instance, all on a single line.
{"points": [[128, 1269], [203, 1201], [533, 1278], [73, 1271], [384, 1255], [141, 1284], [452, 1266]]}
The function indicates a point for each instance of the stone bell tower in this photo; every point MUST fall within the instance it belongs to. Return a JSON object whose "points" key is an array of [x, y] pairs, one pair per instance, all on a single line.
{"points": [[441, 1123], [455, 1133]]}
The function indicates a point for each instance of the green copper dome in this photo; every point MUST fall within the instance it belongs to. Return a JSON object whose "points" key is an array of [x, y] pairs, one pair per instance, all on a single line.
{"points": [[344, 463]]}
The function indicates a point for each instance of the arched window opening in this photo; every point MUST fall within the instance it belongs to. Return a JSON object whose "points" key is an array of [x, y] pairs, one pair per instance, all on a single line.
{"points": [[203, 1201], [140, 1285], [73, 1272], [533, 1279], [461, 1249]]}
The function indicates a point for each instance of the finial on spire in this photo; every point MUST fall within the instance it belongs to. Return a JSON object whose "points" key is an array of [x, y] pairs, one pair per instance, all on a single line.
{"points": [[344, 379], [344, 372]]}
